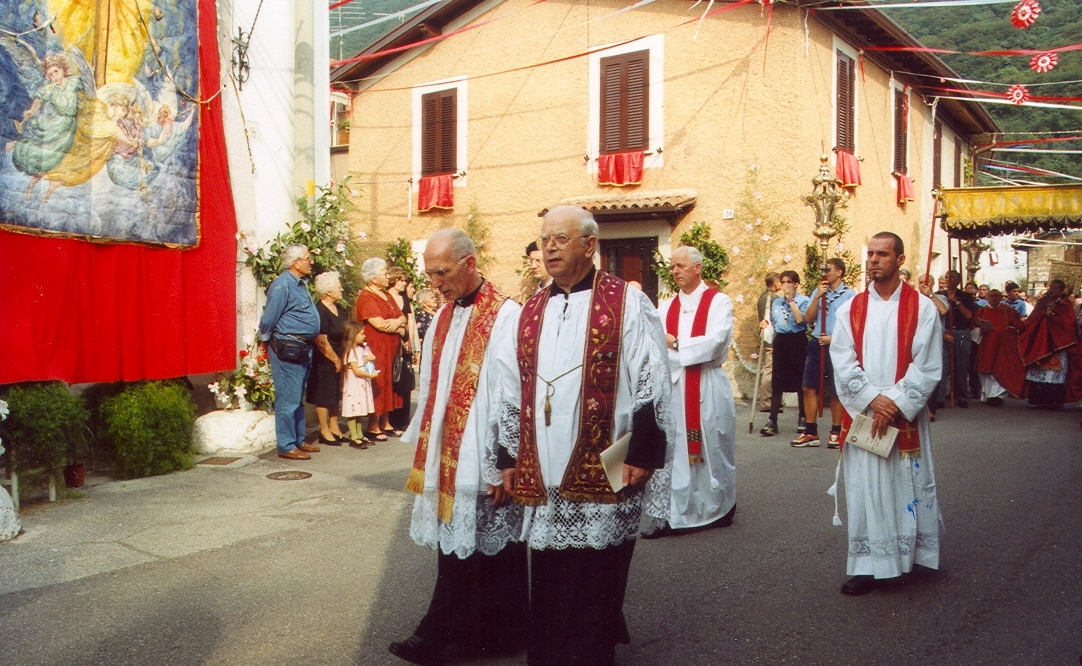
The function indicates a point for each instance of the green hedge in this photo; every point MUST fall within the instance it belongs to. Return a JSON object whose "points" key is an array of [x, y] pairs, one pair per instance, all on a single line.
{"points": [[45, 424], [149, 428]]}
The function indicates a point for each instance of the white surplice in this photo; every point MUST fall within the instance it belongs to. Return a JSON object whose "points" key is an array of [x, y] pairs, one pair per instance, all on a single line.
{"points": [[643, 379], [703, 492], [475, 524], [894, 516]]}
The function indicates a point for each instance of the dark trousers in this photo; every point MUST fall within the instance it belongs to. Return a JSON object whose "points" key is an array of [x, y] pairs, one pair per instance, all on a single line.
{"points": [[480, 603], [577, 601], [961, 347], [775, 404]]}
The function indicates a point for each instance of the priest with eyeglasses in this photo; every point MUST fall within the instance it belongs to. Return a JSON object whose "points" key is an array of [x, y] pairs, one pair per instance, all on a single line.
{"points": [[591, 370]]}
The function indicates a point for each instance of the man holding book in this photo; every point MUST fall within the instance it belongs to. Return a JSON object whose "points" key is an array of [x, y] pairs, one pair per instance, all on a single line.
{"points": [[886, 349]]}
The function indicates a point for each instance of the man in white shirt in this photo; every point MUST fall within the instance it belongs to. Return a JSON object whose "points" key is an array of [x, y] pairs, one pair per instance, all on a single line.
{"points": [[698, 328], [886, 348], [461, 510]]}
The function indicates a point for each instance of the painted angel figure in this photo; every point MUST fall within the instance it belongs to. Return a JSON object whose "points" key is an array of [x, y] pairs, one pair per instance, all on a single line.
{"points": [[48, 126]]}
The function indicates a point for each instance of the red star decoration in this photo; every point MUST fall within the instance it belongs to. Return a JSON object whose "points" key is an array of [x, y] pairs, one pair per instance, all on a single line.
{"points": [[1044, 62], [1025, 13], [1018, 94]]}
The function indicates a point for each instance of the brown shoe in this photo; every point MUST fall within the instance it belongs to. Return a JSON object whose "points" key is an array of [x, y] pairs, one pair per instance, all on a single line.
{"points": [[309, 448], [295, 454]]}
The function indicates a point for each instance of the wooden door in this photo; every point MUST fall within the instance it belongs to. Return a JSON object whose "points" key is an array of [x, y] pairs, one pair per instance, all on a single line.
{"points": [[631, 259]]}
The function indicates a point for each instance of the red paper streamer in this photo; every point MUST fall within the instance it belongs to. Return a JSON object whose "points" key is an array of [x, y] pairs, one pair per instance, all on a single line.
{"points": [[406, 47]]}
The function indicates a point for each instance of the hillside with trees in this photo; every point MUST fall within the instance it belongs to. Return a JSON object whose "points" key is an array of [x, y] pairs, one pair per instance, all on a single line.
{"points": [[988, 27]]}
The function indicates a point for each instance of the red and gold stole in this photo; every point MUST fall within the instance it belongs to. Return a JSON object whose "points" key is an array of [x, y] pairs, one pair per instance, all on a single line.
{"points": [[692, 373], [584, 479], [908, 311], [463, 390]]}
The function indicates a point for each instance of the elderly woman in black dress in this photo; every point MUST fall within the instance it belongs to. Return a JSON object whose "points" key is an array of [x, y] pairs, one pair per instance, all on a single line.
{"points": [[325, 381]]}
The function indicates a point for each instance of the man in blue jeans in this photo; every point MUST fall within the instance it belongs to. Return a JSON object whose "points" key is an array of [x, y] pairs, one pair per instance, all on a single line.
{"points": [[290, 318]]}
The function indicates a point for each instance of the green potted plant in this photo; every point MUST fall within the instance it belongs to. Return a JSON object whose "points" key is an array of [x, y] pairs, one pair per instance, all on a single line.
{"points": [[149, 426], [46, 423]]}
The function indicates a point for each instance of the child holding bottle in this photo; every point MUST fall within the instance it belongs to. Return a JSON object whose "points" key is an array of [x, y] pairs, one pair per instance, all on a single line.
{"points": [[360, 370]]}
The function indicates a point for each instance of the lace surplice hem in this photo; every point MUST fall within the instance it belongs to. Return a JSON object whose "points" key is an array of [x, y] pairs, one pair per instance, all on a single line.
{"points": [[892, 548], [485, 529], [561, 523]]}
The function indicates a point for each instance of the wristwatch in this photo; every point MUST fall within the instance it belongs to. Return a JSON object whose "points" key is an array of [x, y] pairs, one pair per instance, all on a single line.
{"points": [[676, 345]]}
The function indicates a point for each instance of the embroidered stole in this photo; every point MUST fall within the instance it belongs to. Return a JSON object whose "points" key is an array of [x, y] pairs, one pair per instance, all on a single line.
{"points": [[692, 373], [584, 479], [463, 390], [908, 311]]}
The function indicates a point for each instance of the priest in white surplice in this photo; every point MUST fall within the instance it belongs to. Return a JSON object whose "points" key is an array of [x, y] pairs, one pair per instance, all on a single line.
{"points": [[462, 511], [698, 328], [591, 368], [886, 353]]}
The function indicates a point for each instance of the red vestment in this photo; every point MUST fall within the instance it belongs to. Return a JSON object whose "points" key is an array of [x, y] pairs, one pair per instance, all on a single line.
{"points": [[998, 352], [1051, 328]]}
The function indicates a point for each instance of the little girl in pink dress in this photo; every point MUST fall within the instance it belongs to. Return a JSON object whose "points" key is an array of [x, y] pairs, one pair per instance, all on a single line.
{"points": [[357, 400]]}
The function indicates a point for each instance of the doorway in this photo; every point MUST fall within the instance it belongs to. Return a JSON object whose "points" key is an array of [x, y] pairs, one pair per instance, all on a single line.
{"points": [[631, 259]]}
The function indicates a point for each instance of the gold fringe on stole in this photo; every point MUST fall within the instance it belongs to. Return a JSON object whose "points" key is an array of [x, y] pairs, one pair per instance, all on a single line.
{"points": [[416, 481], [447, 504], [540, 500], [909, 455], [598, 498], [696, 459]]}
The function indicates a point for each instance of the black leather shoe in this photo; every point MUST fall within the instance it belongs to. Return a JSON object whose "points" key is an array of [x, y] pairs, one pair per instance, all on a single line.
{"points": [[858, 585], [333, 441], [417, 650]]}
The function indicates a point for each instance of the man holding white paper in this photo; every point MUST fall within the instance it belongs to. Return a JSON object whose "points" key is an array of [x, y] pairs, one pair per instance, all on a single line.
{"points": [[591, 368], [699, 326], [886, 351]]}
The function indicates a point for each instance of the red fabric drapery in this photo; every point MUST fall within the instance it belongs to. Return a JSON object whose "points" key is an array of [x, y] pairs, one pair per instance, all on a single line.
{"points": [[905, 188], [620, 168], [88, 312], [848, 169], [436, 192]]}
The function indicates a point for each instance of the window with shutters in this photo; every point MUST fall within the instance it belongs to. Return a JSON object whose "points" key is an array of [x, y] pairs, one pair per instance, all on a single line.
{"points": [[440, 120], [625, 102], [626, 98], [845, 103], [901, 131], [957, 161], [439, 132], [937, 155]]}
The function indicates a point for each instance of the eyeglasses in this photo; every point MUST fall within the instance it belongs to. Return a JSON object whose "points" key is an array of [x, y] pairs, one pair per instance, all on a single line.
{"points": [[560, 240], [440, 272]]}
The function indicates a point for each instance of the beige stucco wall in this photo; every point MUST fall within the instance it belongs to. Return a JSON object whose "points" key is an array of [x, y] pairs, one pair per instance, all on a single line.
{"points": [[742, 130]]}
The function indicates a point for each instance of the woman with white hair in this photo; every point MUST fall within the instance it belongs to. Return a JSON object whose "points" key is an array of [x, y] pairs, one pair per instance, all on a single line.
{"points": [[325, 382], [383, 324]]}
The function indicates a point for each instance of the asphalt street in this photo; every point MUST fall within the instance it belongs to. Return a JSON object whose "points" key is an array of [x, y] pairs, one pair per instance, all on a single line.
{"points": [[220, 565]]}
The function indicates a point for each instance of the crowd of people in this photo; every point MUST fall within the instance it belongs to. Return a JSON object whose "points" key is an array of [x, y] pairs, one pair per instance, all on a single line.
{"points": [[346, 367], [550, 435], [996, 342]]}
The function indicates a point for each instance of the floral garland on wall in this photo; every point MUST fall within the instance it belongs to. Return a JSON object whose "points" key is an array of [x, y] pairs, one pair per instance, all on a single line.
{"points": [[756, 234], [323, 229]]}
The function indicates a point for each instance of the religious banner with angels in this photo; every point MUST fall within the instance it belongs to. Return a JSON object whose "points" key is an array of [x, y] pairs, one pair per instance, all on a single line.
{"points": [[98, 120]]}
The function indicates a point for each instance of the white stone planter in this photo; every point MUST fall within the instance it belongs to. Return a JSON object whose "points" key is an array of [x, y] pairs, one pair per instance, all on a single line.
{"points": [[234, 431], [9, 517]]}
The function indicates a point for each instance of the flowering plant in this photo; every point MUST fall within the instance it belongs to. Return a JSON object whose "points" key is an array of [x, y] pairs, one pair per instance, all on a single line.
{"points": [[250, 382], [323, 229]]}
